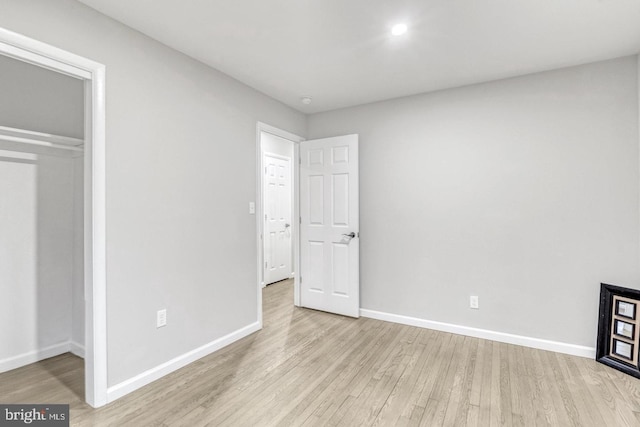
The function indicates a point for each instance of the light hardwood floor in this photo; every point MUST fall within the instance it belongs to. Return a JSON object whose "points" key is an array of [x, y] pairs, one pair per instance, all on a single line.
{"points": [[308, 368]]}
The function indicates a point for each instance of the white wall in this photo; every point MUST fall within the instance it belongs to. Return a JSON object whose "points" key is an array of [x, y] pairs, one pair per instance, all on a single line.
{"points": [[276, 145], [77, 292], [40, 100], [521, 191], [36, 255], [180, 173]]}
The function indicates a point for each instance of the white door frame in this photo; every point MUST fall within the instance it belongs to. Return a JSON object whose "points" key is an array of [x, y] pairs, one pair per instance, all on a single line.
{"points": [[93, 74], [295, 222]]}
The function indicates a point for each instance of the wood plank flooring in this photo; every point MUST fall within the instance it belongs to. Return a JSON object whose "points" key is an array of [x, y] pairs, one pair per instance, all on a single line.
{"points": [[308, 368]]}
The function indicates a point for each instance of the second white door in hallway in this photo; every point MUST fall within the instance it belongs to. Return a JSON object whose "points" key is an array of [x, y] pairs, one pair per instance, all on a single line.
{"points": [[277, 217]]}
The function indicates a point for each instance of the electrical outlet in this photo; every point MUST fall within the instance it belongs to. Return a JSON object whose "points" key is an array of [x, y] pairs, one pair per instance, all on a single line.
{"points": [[161, 318], [473, 302]]}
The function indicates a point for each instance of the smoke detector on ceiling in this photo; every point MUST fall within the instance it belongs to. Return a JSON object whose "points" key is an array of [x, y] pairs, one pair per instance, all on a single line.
{"points": [[306, 100]]}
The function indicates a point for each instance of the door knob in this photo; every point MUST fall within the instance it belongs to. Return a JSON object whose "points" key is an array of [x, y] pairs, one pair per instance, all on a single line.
{"points": [[350, 235], [287, 225]]}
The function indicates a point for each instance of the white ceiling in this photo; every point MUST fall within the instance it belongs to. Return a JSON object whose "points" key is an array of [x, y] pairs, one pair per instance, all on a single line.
{"points": [[341, 53]]}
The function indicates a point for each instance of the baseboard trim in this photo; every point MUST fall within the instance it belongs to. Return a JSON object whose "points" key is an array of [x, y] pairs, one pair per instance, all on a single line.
{"points": [[559, 347], [117, 391], [77, 349], [30, 357]]}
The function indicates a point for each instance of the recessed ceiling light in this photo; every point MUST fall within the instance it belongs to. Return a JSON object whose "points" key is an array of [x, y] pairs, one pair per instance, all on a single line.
{"points": [[306, 100], [399, 29]]}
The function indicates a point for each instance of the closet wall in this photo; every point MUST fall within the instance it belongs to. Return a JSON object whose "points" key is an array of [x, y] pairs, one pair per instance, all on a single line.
{"points": [[41, 220]]}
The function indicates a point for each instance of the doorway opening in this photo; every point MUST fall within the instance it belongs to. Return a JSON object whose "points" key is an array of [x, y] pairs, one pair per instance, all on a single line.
{"points": [[41, 218], [277, 208], [325, 227], [91, 163]]}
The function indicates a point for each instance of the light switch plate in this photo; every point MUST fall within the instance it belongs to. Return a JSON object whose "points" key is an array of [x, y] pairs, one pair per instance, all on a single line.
{"points": [[161, 318], [474, 302], [252, 208]]}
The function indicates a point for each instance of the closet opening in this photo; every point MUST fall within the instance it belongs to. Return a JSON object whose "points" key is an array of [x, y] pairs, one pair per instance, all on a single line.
{"points": [[52, 216], [41, 218]]}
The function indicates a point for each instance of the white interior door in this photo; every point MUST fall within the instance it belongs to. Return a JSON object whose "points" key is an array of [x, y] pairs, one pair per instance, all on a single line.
{"points": [[277, 217], [329, 229]]}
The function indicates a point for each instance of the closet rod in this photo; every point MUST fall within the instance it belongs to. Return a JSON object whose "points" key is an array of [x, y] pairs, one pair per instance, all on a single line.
{"points": [[42, 139]]}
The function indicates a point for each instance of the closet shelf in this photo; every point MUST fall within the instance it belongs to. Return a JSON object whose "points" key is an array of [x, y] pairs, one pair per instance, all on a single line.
{"points": [[42, 139]]}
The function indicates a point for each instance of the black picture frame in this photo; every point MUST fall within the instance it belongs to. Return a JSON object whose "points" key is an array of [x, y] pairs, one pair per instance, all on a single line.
{"points": [[603, 347]]}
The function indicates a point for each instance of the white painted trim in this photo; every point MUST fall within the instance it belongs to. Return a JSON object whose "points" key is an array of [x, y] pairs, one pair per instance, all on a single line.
{"points": [[542, 344], [95, 241], [176, 363], [57, 61], [296, 224], [77, 349], [30, 357], [41, 54], [263, 127]]}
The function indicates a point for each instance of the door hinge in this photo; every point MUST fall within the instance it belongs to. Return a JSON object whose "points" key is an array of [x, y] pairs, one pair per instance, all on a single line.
{"points": [[299, 160], [300, 220], [300, 279]]}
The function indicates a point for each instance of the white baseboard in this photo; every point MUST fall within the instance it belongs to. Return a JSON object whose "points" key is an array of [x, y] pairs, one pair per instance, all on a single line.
{"points": [[150, 375], [30, 357], [559, 347], [77, 349]]}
